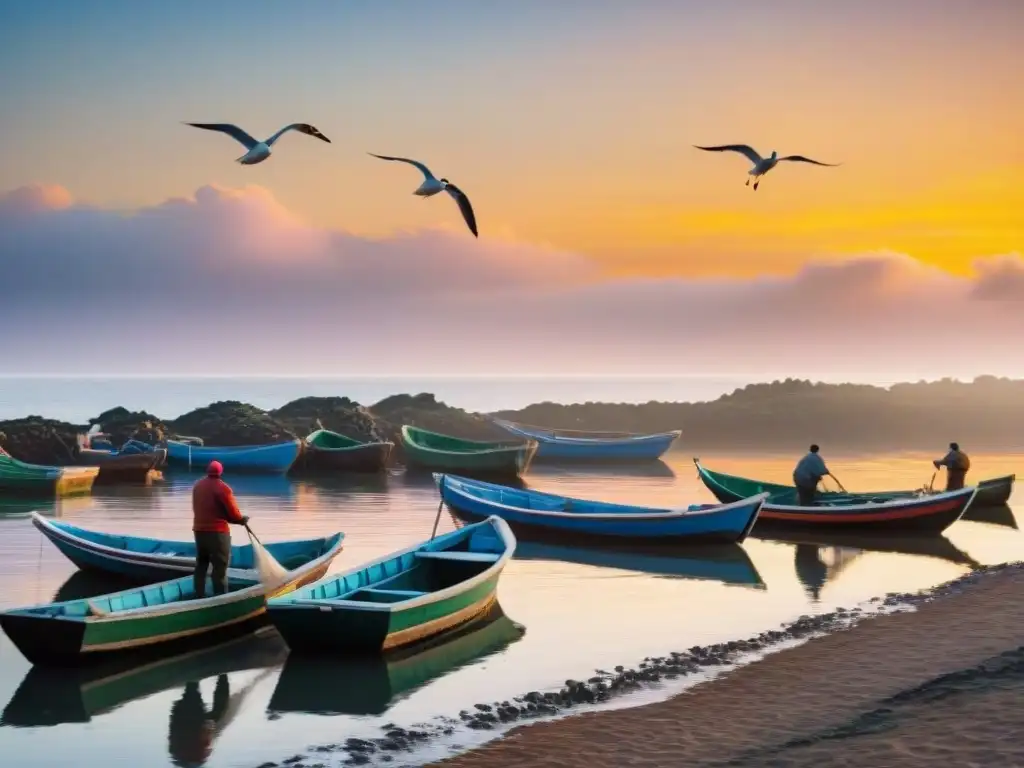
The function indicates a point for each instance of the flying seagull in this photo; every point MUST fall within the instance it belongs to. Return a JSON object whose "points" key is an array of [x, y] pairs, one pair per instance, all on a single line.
{"points": [[258, 151], [431, 186], [762, 164]]}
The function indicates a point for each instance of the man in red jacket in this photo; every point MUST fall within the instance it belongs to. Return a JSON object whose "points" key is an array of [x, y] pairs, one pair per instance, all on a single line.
{"points": [[213, 507]]}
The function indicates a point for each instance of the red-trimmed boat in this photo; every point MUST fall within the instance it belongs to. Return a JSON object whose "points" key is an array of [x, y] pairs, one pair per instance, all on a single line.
{"points": [[932, 513]]}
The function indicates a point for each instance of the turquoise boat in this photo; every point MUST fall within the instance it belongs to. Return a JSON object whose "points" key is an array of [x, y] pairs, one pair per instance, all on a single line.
{"points": [[579, 445], [400, 599], [90, 629], [274, 458], [149, 560]]}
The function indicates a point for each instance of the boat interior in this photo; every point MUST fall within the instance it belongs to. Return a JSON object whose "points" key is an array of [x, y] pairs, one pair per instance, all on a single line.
{"points": [[439, 564], [290, 554]]}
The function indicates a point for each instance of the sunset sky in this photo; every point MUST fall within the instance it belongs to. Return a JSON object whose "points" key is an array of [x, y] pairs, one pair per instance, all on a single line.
{"points": [[570, 125]]}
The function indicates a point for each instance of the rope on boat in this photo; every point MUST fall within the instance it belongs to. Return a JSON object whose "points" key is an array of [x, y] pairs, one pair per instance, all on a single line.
{"points": [[440, 506]]}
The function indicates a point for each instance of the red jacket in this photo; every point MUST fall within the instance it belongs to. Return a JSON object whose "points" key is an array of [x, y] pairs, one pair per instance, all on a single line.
{"points": [[213, 506]]}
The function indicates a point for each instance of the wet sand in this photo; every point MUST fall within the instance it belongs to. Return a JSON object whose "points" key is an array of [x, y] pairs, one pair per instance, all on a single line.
{"points": [[940, 685]]}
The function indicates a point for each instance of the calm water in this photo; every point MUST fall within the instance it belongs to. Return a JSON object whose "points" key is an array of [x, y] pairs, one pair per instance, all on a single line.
{"points": [[580, 611], [79, 399]]}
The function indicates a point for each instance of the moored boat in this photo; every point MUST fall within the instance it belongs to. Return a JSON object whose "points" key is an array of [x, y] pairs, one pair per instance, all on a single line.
{"points": [[148, 560], [928, 513], [325, 450], [992, 492], [400, 599], [370, 685], [115, 466], [18, 478], [444, 453], [91, 629], [579, 445], [274, 458], [548, 515]]}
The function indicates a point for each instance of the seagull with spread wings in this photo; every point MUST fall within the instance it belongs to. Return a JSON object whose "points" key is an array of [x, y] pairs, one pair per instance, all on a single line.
{"points": [[258, 151], [762, 164], [432, 185]]}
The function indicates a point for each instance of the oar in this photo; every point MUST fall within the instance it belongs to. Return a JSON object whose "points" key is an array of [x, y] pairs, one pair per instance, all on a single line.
{"points": [[836, 479], [931, 485], [440, 506]]}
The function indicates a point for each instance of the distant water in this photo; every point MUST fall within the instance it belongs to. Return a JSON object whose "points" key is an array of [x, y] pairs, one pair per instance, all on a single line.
{"points": [[581, 611], [79, 399]]}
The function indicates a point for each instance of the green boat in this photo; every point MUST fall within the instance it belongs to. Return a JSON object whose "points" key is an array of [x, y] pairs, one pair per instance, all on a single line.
{"points": [[17, 478], [50, 696], [401, 599], [90, 629], [366, 686], [330, 451], [443, 453]]}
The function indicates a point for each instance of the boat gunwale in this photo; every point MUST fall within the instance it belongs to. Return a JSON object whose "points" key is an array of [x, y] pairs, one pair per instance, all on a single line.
{"points": [[503, 530], [441, 479], [310, 446], [551, 435]]}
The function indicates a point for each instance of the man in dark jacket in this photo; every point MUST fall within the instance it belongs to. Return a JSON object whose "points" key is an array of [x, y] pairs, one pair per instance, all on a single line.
{"points": [[956, 464], [808, 473], [213, 507]]}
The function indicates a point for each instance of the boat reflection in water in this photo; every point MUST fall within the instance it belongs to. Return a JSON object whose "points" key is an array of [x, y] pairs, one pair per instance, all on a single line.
{"points": [[726, 563], [370, 685], [49, 696], [819, 558], [999, 514], [657, 468]]}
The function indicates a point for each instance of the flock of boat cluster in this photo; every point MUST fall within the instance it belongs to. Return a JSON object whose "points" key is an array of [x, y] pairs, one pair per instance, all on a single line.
{"points": [[420, 592]]}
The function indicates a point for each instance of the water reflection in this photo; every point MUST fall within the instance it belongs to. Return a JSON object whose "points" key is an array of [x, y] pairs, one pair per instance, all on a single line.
{"points": [[371, 685], [993, 515], [729, 563], [819, 558], [49, 696], [83, 584], [279, 486], [648, 469]]}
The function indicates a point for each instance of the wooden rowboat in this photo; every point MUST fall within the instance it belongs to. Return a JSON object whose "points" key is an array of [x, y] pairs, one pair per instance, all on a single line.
{"points": [[992, 492], [370, 685], [330, 451], [148, 560], [577, 445], [403, 598], [115, 466], [443, 453], [931, 513], [18, 478], [90, 629], [581, 520], [274, 458]]}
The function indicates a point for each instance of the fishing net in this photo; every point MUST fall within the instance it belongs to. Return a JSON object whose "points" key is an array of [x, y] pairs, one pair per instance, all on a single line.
{"points": [[272, 574]]}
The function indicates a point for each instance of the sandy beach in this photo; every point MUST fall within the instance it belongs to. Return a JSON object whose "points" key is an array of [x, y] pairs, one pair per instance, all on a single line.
{"points": [[941, 685]]}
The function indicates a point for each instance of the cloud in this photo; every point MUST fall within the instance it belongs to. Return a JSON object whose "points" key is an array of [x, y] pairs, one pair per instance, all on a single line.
{"points": [[230, 280]]}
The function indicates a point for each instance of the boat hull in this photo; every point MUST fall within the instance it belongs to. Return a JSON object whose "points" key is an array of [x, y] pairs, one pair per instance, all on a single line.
{"points": [[555, 445], [369, 457], [276, 458], [545, 516], [36, 481], [467, 457], [117, 467], [176, 558]]}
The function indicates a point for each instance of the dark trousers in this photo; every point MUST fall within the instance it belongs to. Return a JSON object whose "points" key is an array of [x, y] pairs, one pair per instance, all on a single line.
{"points": [[213, 550], [955, 479], [806, 495]]}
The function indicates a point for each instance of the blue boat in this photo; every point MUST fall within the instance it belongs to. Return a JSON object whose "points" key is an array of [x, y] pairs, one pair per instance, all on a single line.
{"points": [[151, 560], [273, 458], [575, 445], [548, 515]]}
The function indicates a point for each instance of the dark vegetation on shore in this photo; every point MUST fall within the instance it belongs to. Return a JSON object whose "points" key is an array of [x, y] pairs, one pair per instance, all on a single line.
{"points": [[984, 415]]}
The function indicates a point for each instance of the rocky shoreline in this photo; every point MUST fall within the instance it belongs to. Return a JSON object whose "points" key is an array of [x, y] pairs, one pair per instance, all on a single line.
{"points": [[603, 686], [985, 414]]}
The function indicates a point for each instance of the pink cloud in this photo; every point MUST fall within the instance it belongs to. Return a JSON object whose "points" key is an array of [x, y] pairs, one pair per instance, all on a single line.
{"points": [[283, 295]]}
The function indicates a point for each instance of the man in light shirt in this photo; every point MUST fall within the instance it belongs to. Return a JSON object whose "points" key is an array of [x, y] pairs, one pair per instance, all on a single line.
{"points": [[808, 473]]}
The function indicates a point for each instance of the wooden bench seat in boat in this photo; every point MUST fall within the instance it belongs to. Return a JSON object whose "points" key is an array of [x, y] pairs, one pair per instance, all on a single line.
{"points": [[407, 594], [472, 557]]}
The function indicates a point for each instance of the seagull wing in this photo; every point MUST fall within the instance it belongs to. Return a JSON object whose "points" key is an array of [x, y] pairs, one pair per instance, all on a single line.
{"points": [[423, 169], [802, 159], [233, 131], [749, 152], [305, 128], [464, 206]]}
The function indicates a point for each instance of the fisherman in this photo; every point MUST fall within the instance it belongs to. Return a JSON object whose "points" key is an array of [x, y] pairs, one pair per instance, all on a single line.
{"points": [[956, 463], [213, 507], [808, 473]]}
